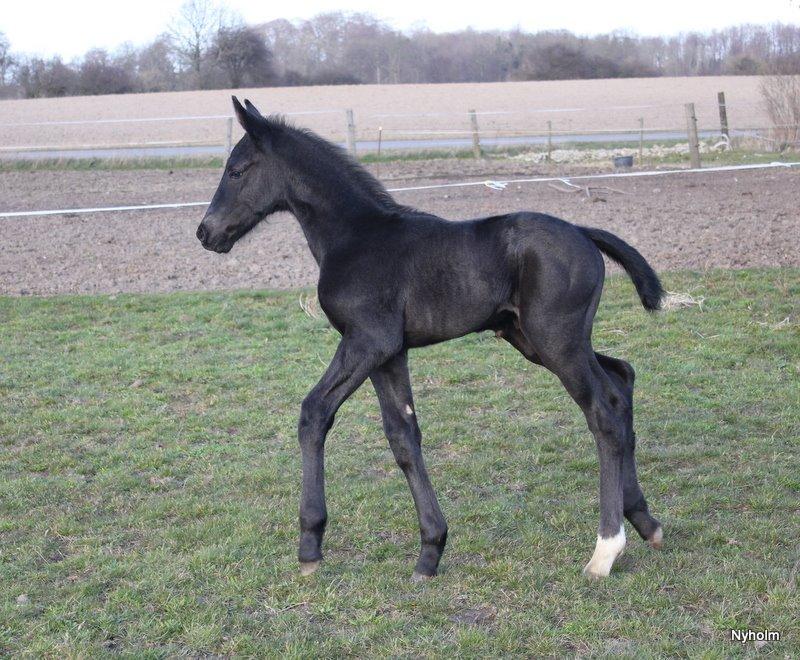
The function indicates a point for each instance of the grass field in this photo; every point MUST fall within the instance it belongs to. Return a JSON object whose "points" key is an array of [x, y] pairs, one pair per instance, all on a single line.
{"points": [[149, 478], [716, 158]]}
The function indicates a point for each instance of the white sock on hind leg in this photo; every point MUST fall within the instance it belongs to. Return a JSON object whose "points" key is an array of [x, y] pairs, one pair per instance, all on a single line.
{"points": [[605, 553]]}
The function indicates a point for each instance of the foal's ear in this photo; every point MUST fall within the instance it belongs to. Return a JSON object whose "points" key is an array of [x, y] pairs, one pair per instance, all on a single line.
{"points": [[247, 119], [256, 126], [251, 108]]}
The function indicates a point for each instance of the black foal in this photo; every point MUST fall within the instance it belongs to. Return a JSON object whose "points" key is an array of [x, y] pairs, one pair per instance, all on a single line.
{"points": [[393, 278]]}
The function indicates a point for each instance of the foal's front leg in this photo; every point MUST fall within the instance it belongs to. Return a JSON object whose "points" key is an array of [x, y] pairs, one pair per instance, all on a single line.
{"points": [[355, 358], [393, 388]]}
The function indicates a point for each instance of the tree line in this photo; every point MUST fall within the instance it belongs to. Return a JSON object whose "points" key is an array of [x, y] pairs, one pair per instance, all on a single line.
{"points": [[207, 47]]}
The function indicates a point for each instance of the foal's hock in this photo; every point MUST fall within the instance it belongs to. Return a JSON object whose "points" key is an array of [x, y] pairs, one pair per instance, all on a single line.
{"points": [[393, 278]]}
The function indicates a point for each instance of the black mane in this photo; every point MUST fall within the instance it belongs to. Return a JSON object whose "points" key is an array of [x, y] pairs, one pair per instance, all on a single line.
{"points": [[330, 157]]}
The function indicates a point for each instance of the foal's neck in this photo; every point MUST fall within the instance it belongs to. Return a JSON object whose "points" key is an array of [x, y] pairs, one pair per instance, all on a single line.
{"points": [[329, 224], [332, 197]]}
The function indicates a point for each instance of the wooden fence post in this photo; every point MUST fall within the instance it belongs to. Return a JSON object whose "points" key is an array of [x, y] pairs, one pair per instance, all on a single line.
{"points": [[691, 129], [641, 140], [378, 161], [549, 140], [723, 114], [351, 132], [229, 138], [476, 138]]}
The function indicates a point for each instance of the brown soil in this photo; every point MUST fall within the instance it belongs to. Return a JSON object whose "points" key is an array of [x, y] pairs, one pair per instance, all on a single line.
{"points": [[571, 105], [684, 221]]}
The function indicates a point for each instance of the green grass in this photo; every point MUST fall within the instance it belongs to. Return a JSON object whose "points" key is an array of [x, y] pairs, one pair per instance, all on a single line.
{"points": [[401, 155], [149, 479], [212, 162], [734, 157], [90, 164]]}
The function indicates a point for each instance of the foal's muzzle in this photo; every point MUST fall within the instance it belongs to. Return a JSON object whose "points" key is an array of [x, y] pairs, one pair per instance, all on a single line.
{"points": [[221, 244]]}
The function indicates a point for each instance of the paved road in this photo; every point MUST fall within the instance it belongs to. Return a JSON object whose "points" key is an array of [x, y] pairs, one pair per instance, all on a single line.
{"points": [[362, 145]]}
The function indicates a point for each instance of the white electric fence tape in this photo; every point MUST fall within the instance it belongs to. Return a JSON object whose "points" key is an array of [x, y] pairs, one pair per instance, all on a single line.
{"points": [[492, 184]]}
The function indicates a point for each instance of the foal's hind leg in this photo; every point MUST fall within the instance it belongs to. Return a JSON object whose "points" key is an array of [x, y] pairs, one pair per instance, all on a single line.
{"points": [[605, 411], [571, 358], [514, 336], [634, 502], [393, 388]]}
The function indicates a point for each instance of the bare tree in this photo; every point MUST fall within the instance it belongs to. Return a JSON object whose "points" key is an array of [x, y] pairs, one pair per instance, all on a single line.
{"points": [[207, 46], [155, 67], [40, 78], [192, 32], [99, 74], [781, 98], [6, 61], [242, 54]]}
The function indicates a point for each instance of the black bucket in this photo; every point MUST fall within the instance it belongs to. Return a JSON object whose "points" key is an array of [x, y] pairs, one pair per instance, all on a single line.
{"points": [[623, 161]]}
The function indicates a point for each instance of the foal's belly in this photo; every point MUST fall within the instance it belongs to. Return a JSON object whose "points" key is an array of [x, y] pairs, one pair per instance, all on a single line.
{"points": [[459, 278], [449, 309]]}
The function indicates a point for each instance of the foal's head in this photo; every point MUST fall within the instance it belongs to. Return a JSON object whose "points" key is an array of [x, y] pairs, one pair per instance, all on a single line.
{"points": [[252, 186]]}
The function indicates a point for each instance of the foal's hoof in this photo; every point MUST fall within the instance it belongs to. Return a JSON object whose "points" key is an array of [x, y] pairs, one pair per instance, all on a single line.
{"points": [[592, 575], [656, 540], [605, 554], [308, 567], [421, 577]]}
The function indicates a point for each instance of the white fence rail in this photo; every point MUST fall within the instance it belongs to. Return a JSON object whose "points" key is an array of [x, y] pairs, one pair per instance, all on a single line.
{"points": [[390, 130]]}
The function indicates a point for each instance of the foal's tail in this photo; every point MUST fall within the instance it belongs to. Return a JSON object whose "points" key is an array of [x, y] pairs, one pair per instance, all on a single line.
{"points": [[644, 277]]}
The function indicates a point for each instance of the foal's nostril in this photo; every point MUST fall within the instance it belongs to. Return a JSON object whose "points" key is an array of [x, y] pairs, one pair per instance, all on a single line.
{"points": [[202, 233]]}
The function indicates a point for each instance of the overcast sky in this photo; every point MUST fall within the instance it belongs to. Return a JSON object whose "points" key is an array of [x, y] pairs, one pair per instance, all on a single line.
{"points": [[70, 27]]}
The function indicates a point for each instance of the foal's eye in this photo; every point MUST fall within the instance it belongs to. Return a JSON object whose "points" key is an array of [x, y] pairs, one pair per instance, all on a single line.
{"points": [[235, 174]]}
